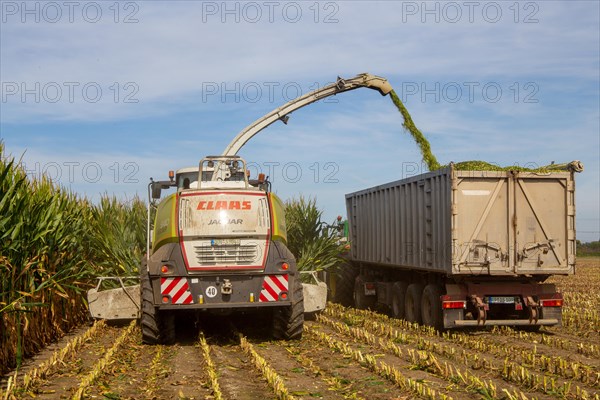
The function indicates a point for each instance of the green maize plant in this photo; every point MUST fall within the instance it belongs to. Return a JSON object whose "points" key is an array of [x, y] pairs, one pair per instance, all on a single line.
{"points": [[52, 244], [315, 244]]}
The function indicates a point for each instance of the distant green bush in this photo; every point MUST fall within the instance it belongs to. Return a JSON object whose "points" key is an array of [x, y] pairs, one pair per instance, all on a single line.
{"points": [[588, 249]]}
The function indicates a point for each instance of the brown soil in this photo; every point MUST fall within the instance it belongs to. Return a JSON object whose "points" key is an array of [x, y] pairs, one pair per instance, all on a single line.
{"points": [[312, 369]]}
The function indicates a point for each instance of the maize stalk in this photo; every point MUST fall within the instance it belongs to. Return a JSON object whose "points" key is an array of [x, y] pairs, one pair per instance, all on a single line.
{"points": [[103, 363], [211, 369], [273, 379]]}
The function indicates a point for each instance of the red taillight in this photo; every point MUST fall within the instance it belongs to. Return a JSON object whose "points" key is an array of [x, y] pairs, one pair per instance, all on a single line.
{"points": [[285, 266], [165, 299], [283, 296], [454, 304], [551, 303], [164, 269]]}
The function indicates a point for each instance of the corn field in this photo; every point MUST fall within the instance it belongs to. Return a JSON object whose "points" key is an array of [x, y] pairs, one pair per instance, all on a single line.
{"points": [[53, 243], [345, 354]]}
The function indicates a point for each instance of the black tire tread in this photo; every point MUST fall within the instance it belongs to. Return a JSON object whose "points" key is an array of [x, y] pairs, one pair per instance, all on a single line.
{"points": [[431, 295], [157, 327], [344, 276], [413, 292], [288, 323], [362, 301], [398, 295], [148, 322]]}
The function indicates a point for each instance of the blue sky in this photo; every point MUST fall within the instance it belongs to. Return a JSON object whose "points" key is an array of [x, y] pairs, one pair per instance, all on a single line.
{"points": [[103, 95]]}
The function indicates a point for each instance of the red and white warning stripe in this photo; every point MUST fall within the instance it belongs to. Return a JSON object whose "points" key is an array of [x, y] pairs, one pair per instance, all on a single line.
{"points": [[272, 286], [177, 288]]}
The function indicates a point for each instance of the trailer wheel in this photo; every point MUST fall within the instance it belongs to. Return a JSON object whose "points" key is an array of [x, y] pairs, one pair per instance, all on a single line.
{"points": [[398, 297], [288, 323], [342, 284], [156, 327], [431, 307], [361, 300], [412, 303]]}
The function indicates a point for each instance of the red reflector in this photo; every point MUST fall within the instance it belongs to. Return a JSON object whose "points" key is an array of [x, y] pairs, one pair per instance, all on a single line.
{"points": [[283, 296], [552, 303], [285, 266], [164, 269], [165, 299], [453, 304]]}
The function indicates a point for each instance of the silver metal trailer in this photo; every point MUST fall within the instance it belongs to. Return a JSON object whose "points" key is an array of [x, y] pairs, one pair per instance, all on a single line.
{"points": [[455, 248]]}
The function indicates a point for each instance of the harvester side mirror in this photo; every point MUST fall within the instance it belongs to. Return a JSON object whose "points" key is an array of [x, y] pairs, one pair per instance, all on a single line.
{"points": [[156, 189]]}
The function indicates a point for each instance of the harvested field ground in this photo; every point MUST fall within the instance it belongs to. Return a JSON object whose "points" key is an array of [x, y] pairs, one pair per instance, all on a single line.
{"points": [[345, 353]]}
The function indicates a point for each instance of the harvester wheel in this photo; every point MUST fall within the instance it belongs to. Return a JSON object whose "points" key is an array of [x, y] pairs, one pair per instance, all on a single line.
{"points": [[412, 303], [156, 327], [431, 307], [149, 323], [342, 284], [398, 297], [288, 323]]}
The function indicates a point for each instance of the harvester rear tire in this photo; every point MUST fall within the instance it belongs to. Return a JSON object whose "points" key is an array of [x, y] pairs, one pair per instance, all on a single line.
{"points": [[412, 303], [288, 323], [149, 319], [157, 327], [343, 277]]}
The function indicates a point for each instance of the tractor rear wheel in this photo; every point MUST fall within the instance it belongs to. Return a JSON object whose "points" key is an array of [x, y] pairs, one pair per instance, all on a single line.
{"points": [[288, 323], [156, 327], [148, 322]]}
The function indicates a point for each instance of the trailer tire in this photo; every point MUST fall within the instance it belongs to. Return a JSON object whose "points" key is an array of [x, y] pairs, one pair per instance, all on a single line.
{"points": [[412, 303], [288, 322], [361, 300], [431, 307], [343, 284], [398, 297], [156, 327]]}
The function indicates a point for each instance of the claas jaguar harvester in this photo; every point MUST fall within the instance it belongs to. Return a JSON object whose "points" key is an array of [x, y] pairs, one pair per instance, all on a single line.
{"points": [[218, 244]]}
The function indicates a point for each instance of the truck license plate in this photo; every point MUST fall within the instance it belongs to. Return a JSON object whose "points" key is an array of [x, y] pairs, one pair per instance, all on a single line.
{"points": [[502, 300]]}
